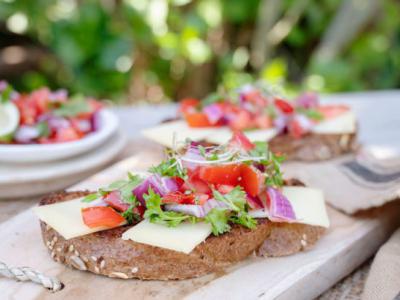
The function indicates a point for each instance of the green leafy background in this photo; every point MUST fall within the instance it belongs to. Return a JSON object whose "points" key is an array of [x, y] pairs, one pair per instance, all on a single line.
{"points": [[161, 50]]}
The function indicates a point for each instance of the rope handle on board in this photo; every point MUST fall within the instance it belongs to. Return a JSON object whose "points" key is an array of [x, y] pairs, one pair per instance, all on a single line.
{"points": [[28, 274]]}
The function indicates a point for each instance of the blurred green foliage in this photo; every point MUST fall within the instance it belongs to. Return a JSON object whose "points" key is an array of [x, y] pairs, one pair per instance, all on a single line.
{"points": [[160, 49]]}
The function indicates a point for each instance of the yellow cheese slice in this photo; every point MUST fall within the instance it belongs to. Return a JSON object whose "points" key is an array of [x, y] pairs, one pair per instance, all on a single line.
{"points": [[164, 133], [342, 124], [223, 135], [308, 205], [66, 218], [183, 238]]}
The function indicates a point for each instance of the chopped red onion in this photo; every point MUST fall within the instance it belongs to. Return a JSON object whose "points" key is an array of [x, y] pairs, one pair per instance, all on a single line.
{"points": [[254, 202], [280, 122], [191, 154], [258, 213], [279, 208], [214, 112], [98, 202], [189, 209], [84, 126], [160, 185], [305, 123], [26, 134], [95, 121], [307, 100], [212, 203], [58, 96]]}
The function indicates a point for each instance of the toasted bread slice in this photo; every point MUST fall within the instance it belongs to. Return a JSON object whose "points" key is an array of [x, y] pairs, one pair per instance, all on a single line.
{"points": [[106, 253], [314, 147]]}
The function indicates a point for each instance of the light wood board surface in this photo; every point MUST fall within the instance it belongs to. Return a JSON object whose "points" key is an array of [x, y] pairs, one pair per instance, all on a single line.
{"points": [[347, 244]]}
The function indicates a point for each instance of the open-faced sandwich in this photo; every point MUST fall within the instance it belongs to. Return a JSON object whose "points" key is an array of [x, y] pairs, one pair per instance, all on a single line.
{"points": [[45, 117], [302, 129], [202, 209]]}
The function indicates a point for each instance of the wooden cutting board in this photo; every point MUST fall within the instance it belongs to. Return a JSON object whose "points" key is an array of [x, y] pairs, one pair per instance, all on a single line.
{"points": [[348, 243]]}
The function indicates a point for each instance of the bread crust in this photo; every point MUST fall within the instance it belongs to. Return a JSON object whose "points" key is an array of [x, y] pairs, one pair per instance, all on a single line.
{"points": [[106, 253], [314, 147]]}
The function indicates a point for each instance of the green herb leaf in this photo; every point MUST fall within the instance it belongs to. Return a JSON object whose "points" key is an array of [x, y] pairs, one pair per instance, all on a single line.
{"points": [[130, 216], [155, 214], [5, 94], [73, 107], [91, 197], [218, 218], [43, 128], [168, 168], [311, 113], [212, 98]]}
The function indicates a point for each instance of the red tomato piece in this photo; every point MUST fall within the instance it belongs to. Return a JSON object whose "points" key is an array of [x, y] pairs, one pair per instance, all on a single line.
{"points": [[197, 119], [201, 198], [224, 188], [114, 200], [196, 184], [222, 174], [179, 198], [139, 210], [332, 111], [241, 120], [40, 98], [188, 105], [67, 135], [295, 129], [101, 216], [241, 140], [284, 106], [252, 180], [263, 121]]}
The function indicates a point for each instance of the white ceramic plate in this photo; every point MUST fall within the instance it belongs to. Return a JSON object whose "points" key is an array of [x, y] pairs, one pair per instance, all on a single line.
{"points": [[51, 152], [23, 180]]}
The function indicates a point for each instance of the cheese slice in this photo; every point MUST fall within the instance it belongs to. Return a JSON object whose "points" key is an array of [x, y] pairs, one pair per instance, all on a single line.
{"points": [[223, 135], [66, 218], [308, 205], [183, 238], [164, 133], [342, 124]]}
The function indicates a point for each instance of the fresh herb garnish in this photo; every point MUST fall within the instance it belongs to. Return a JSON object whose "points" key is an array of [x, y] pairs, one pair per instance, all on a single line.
{"points": [[219, 218], [43, 128], [130, 216], [212, 98], [170, 168], [125, 188], [155, 214], [5, 94], [75, 106], [271, 163], [311, 113]]}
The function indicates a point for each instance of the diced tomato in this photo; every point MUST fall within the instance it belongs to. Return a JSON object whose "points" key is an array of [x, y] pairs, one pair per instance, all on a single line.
{"points": [[332, 111], [252, 180], [222, 174], [241, 120], [224, 188], [40, 98], [295, 129], [114, 200], [94, 106], [67, 135], [188, 105], [196, 184], [179, 198], [197, 119], [284, 106], [241, 140], [27, 110], [201, 198], [101, 216], [139, 210], [263, 121], [255, 97], [179, 181]]}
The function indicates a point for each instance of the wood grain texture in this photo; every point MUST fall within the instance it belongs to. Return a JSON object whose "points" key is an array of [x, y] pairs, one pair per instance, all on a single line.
{"points": [[348, 243]]}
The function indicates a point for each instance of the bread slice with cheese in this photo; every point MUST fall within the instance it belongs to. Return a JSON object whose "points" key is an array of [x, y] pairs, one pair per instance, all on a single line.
{"points": [[107, 253]]}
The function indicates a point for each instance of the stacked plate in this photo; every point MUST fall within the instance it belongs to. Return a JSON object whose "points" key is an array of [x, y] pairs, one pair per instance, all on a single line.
{"points": [[27, 170]]}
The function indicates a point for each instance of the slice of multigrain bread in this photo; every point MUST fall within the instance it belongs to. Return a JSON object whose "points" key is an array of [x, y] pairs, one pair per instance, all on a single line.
{"points": [[313, 147], [106, 253]]}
